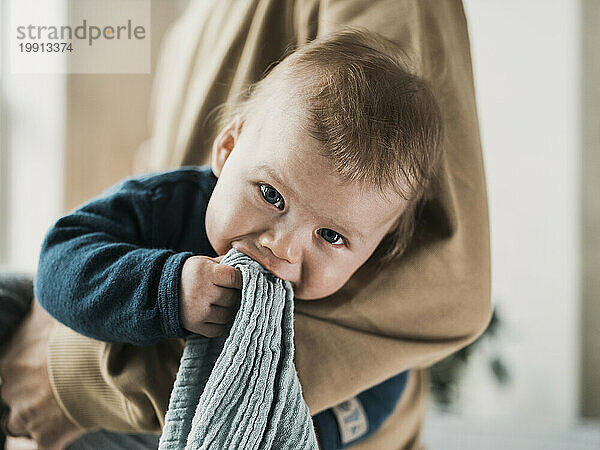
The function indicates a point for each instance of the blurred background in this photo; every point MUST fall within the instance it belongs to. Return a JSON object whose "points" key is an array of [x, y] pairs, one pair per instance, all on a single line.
{"points": [[531, 382]]}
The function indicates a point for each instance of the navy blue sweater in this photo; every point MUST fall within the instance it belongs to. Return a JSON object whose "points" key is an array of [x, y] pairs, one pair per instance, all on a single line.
{"points": [[110, 270]]}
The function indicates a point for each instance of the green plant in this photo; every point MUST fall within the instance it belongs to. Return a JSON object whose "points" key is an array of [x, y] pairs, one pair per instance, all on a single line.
{"points": [[445, 375]]}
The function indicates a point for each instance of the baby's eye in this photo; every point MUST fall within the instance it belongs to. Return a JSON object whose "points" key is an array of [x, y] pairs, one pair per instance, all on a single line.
{"points": [[330, 236], [271, 195]]}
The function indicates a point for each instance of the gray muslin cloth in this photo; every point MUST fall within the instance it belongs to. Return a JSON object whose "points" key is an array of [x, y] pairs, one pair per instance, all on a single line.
{"points": [[241, 390]]}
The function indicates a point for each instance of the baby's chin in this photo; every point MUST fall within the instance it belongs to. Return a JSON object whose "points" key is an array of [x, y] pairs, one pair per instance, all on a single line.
{"points": [[304, 294]]}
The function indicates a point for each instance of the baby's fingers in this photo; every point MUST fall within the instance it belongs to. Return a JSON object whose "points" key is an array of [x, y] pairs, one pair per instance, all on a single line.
{"points": [[209, 329], [227, 276], [228, 298], [220, 315]]}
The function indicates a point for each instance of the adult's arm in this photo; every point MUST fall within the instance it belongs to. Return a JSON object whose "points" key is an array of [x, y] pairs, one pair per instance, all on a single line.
{"points": [[410, 315]]}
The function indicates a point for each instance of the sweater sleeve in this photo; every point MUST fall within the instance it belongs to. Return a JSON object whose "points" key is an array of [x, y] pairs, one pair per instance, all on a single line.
{"points": [[101, 275], [358, 418]]}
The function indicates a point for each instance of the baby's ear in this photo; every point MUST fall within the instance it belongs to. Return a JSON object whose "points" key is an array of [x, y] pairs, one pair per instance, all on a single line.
{"points": [[224, 144]]}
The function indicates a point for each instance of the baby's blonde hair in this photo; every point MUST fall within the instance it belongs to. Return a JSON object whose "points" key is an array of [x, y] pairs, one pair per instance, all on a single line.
{"points": [[377, 121]]}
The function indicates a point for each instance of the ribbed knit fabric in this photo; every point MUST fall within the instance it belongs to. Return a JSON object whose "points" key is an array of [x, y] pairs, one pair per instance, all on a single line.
{"points": [[241, 390], [16, 292]]}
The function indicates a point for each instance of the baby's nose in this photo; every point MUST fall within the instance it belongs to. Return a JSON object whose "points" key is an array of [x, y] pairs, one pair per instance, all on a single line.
{"points": [[284, 246]]}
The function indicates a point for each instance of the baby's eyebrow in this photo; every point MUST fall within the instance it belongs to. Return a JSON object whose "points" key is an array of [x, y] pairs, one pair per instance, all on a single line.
{"points": [[345, 230], [273, 174]]}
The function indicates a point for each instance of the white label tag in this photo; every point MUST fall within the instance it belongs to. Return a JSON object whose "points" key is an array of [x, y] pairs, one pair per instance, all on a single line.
{"points": [[352, 420]]}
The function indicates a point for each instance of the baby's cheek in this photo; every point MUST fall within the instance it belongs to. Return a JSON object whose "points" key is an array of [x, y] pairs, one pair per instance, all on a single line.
{"points": [[323, 283], [218, 228]]}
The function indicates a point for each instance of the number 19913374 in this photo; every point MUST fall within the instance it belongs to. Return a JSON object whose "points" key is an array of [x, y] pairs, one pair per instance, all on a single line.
{"points": [[45, 47]]}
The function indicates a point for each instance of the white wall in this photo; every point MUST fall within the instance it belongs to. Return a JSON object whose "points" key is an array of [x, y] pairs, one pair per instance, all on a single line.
{"points": [[33, 136], [526, 64], [33, 141]]}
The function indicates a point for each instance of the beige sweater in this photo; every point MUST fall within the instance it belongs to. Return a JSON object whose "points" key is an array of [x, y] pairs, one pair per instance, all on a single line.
{"points": [[408, 316]]}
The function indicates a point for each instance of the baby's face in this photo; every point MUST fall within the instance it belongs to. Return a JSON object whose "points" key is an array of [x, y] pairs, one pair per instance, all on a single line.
{"points": [[280, 202]]}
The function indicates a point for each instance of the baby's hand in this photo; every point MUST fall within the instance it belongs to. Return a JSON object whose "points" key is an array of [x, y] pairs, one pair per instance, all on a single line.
{"points": [[209, 295]]}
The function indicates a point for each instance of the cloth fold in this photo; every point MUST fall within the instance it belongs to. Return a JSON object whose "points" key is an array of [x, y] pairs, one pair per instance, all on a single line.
{"points": [[241, 389]]}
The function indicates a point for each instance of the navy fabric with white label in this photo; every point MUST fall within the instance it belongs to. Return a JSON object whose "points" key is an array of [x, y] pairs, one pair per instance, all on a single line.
{"points": [[361, 416]]}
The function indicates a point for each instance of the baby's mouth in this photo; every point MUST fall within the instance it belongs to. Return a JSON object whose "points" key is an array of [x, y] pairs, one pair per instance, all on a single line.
{"points": [[256, 255]]}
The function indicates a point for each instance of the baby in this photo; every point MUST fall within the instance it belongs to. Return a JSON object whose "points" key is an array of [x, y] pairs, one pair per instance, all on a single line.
{"points": [[322, 164]]}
